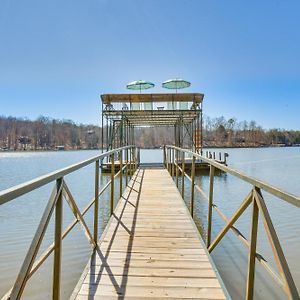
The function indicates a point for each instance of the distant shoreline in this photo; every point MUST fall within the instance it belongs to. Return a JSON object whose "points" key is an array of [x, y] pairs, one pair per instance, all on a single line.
{"points": [[154, 148]]}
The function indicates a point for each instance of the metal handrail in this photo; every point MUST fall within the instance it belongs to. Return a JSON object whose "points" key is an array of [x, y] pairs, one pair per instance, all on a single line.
{"points": [[255, 197], [61, 191], [286, 196], [24, 188]]}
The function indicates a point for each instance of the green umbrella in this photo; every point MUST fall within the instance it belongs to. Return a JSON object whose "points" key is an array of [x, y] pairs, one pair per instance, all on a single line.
{"points": [[176, 84], [140, 85]]}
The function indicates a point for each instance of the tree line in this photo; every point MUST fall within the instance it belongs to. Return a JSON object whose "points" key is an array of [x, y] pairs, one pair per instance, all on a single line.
{"points": [[46, 133], [222, 132]]}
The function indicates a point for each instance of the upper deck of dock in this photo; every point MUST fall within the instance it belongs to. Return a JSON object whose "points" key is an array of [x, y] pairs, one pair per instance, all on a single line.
{"points": [[151, 248]]}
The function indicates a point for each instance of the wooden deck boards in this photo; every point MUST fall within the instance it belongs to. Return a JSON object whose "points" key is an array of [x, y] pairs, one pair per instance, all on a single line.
{"points": [[150, 248]]}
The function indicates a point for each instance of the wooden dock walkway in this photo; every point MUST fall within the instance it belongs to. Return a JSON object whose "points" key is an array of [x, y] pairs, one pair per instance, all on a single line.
{"points": [[151, 248]]}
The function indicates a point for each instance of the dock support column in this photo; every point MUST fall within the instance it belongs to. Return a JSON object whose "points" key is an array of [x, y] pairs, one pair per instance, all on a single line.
{"points": [[169, 160], [134, 159], [193, 186], [177, 170], [252, 252], [210, 204], [173, 162], [96, 208], [182, 174], [112, 183], [130, 163], [57, 243], [126, 174], [121, 173]]}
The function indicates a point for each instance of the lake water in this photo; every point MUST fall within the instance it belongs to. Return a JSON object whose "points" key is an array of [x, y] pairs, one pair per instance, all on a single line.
{"points": [[19, 218]]}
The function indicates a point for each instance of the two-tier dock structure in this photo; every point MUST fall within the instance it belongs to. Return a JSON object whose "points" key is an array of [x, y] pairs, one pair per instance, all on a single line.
{"points": [[181, 113]]}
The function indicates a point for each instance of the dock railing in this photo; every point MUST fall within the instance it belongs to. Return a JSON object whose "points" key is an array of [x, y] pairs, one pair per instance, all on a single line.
{"points": [[127, 157], [174, 161]]}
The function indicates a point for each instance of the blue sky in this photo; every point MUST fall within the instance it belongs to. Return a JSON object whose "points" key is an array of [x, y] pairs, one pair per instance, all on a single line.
{"points": [[57, 57]]}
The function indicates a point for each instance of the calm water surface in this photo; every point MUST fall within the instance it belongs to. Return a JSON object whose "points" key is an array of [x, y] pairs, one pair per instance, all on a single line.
{"points": [[19, 218]]}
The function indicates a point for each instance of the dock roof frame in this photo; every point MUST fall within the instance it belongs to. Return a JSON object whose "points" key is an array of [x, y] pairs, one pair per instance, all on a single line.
{"points": [[158, 97], [120, 121]]}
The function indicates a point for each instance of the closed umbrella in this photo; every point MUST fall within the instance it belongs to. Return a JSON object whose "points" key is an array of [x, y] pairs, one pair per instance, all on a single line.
{"points": [[140, 85], [176, 84]]}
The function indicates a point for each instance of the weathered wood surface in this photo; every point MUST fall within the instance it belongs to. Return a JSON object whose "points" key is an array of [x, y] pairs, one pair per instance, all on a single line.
{"points": [[150, 249]]}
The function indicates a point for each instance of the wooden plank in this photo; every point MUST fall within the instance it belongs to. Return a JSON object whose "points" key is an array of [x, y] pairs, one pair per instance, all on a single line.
{"points": [[162, 256], [157, 281], [151, 249], [151, 261], [206, 272], [106, 297], [155, 292], [154, 263]]}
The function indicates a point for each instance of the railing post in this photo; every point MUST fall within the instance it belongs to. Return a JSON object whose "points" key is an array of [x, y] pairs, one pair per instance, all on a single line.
{"points": [[182, 174], [164, 153], [112, 183], [121, 173], [173, 161], [57, 243], [126, 174], [135, 159], [177, 170], [170, 153], [130, 163], [252, 252], [169, 160], [210, 204], [193, 186], [96, 208]]}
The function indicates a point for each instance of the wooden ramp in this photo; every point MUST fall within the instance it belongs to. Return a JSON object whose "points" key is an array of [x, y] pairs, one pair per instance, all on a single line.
{"points": [[151, 248]]}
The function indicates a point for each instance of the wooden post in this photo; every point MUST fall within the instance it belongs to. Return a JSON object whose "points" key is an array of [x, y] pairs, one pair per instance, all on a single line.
{"points": [[164, 155], [252, 252], [133, 160], [177, 170], [126, 174], [121, 173], [112, 183], [170, 161], [96, 208], [193, 186], [173, 162], [57, 243], [130, 161], [225, 158], [182, 174], [210, 203]]}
